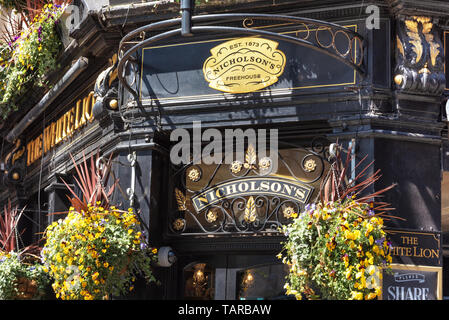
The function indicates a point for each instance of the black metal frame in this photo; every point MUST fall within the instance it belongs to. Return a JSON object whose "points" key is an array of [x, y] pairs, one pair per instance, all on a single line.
{"points": [[126, 53]]}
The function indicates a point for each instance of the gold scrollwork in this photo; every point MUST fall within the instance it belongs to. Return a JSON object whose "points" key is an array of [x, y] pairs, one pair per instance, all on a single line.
{"points": [[248, 23]]}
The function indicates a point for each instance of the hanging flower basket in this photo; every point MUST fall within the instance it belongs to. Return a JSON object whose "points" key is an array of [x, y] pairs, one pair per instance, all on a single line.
{"points": [[336, 251], [337, 248], [95, 254], [27, 288], [20, 280]]}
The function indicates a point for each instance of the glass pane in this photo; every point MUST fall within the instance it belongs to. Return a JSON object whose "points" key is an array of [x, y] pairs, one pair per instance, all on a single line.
{"points": [[262, 283], [199, 282]]}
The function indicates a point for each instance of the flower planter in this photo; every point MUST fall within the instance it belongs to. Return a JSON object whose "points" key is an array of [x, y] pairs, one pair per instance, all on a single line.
{"points": [[27, 288]]}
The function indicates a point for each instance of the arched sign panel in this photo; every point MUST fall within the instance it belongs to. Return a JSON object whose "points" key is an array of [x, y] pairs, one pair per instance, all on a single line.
{"points": [[245, 197]]}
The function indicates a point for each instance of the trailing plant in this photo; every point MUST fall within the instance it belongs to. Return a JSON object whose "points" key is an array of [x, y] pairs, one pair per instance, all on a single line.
{"points": [[21, 274], [337, 248], [20, 279], [29, 57], [98, 250]]}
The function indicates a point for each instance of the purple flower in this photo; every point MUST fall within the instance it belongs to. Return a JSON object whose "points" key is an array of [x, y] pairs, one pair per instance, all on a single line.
{"points": [[143, 245]]}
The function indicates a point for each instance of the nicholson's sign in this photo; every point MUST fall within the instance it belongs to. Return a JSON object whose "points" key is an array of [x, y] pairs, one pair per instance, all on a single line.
{"points": [[244, 65], [217, 68], [251, 186]]}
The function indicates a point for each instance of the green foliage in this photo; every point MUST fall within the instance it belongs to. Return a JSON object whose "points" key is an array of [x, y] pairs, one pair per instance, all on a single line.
{"points": [[29, 58], [13, 268]]}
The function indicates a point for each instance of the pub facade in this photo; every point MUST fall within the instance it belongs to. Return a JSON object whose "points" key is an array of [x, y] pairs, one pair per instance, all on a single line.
{"points": [[152, 82]]}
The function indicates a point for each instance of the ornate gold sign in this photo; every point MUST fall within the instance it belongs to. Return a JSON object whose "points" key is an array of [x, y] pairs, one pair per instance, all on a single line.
{"points": [[252, 186], [244, 65]]}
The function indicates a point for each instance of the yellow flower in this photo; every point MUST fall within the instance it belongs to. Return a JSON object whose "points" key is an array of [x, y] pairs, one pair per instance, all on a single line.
{"points": [[356, 295], [370, 296], [371, 269]]}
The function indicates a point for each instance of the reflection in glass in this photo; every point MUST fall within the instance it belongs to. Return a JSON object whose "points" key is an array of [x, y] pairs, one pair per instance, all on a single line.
{"points": [[199, 283], [262, 283]]}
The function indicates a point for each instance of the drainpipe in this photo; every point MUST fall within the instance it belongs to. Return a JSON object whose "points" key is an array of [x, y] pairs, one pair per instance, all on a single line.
{"points": [[79, 66], [186, 22]]}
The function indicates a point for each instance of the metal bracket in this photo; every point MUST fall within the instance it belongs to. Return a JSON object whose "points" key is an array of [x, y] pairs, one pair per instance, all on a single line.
{"points": [[130, 191]]}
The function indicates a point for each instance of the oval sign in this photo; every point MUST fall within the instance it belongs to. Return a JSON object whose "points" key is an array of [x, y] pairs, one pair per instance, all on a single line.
{"points": [[244, 65]]}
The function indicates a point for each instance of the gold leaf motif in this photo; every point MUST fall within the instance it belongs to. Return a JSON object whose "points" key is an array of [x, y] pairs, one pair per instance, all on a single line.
{"points": [[415, 39], [250, 211], [251, 156], [180, 199], [434, 48], [417, 45], [412, 25]]}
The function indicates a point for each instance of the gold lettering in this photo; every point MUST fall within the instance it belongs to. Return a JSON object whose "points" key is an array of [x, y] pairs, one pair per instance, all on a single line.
{"points": [[47, 139], [87, 107], [53, 134], [37, 148], [409, 240], [69, 122], [29, 153], [78, 113], [435, 253], [408, 251], [58, 131], [62, 128]]}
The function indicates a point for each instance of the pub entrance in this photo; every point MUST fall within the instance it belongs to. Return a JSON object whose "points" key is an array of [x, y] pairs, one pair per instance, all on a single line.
{"points": [[232, 277]]}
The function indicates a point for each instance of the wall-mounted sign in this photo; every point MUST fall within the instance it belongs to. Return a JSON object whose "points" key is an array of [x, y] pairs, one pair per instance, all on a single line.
{"points": [[415, 248], [406, 282], [58, 131], [288, 189], [249, 196], [216, 68], [244, 65]]}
